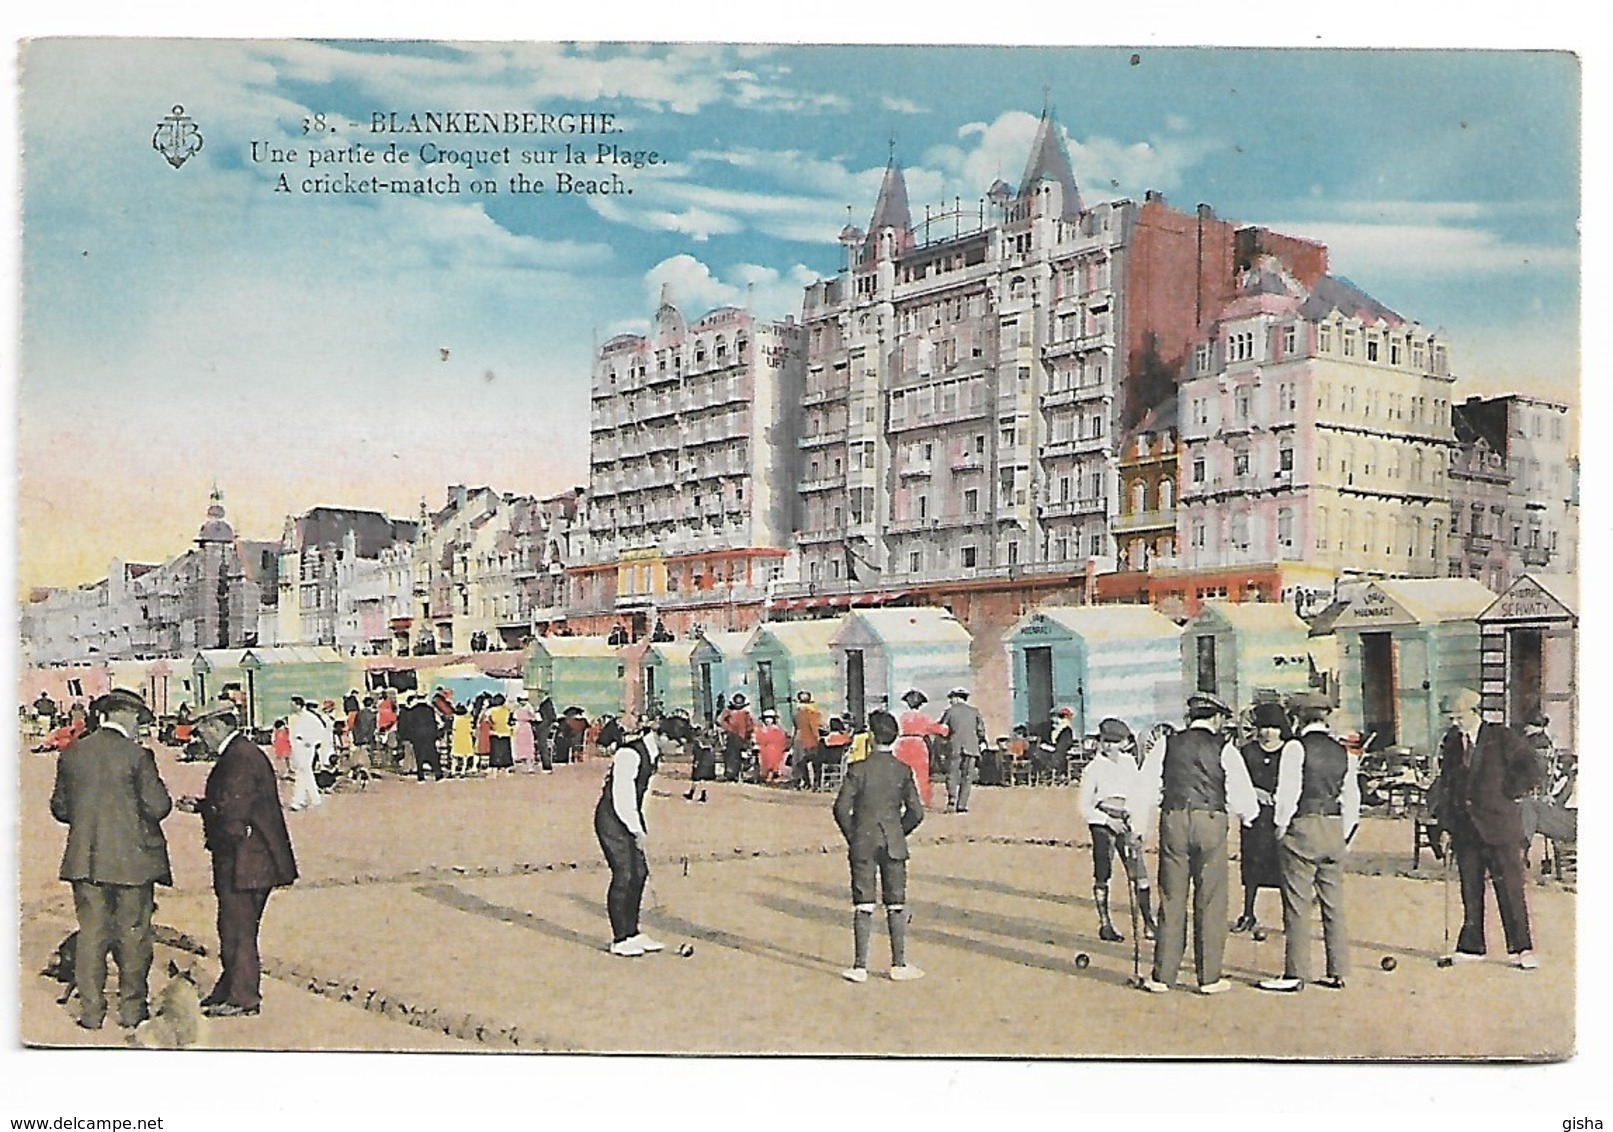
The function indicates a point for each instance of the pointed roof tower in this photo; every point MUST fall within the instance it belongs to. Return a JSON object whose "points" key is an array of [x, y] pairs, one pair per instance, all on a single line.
{"points": [[1049, 162], [891, 210]]}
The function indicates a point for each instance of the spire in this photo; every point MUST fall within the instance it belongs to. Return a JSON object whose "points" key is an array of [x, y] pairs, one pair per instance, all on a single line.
{"points": [[1049, 162], [891, 210]]}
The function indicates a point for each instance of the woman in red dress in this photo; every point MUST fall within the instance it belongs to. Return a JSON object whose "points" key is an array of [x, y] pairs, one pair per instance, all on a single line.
{"points": [[911, 747]]}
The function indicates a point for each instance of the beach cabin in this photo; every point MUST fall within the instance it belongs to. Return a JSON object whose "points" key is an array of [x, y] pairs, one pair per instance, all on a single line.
{"points": [[666, 677], [880, 653], [1402, 646], [1530, 638], [1098, 660], [582, 671], [262, 680], [787, 657], [1235, 649], [717, 666]]}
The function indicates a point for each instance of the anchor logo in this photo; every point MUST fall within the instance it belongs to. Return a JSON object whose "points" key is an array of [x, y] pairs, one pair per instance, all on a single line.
{"points": [[177, 137]]}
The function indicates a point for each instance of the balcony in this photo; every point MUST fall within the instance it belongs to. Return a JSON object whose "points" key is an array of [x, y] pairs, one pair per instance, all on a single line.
{"points": [[1058, 398], [1068, 507], [1143, 521], [920, 470], [821, 440], [1076, 445], [1536, 556], [964, 464], [819, 396], [822, 483]]}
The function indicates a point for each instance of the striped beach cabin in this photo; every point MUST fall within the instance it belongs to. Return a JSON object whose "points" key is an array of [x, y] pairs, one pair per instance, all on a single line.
{"points": [[581, 671], [1403, 645], [1098, 660], [718, 667], [880, 653], [787, 657], [1235, 649]]}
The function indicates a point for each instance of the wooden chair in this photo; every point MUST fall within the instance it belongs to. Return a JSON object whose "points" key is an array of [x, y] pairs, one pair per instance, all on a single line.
{"points": [[1424, 834]]}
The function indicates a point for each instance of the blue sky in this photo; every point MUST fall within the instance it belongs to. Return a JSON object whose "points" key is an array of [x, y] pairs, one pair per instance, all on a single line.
{"points": [[297, 342]]}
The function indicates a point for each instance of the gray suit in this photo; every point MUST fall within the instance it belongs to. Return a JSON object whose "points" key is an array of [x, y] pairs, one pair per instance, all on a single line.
{"points": [[112, 800], [877, 807], [966, 735]]}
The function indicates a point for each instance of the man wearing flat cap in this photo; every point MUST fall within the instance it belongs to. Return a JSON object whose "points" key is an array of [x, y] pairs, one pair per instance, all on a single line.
{"points": [[1318, 806], [1117, 804], [245, 830], [112, 800], [966, 737], [1201, 777]]}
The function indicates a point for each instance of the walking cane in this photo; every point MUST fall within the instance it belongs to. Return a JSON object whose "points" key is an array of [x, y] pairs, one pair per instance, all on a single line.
{"points": [[1136, 981], [1445, 959]]}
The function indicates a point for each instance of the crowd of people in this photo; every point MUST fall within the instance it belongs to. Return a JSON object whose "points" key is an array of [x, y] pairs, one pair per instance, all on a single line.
{"points": [[1292, 785]]}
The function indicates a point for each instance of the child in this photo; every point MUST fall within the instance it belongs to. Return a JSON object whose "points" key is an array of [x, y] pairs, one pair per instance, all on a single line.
{"points": [[462, 743], [282, 748]]}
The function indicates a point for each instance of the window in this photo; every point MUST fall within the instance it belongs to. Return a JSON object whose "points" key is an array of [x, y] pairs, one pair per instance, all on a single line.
{"points": [[1290, 341], [915, 561], [1240, 463], [1394, 351], [1198, 534], [1349, 343], [971, 501], [1285, 526], [1198, 470], [1324, 339], [1285, 459], [1372, 347], [969, 557], [1095, 546], [1061, 549], [1242, 400], [1013, 553]]}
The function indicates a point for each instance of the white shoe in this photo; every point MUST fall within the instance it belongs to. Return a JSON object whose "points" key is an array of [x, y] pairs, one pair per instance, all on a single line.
{"points": [[905, 974], [1220, 986], [626, 948], [1466, 957], [1154, 986], [1286, 984], [645, 943], [855, 974], [1526, 960]]}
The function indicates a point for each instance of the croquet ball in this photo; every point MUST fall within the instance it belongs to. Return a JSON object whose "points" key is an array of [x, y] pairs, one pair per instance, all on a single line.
{"points": [[686, 949], [1082, 959], [1389, 963], [1444, 961], [1260, 935]]}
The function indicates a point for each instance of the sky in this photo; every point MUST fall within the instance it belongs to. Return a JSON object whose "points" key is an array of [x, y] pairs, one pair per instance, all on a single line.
{"points": [[300, 349]]}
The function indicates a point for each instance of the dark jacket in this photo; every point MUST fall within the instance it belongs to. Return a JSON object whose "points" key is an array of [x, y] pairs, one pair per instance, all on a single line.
{"points": [[417, 726], [1502, 770], [878, 806], [242, 819], [112, 800]]}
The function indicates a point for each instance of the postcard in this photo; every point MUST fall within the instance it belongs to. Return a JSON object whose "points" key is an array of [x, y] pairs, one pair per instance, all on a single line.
{"points": [[1009, 553]]}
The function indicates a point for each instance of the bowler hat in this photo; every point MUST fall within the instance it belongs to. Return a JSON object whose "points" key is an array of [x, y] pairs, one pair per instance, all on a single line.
{"points": [[1270, 714], [914, 698], [122, 699], [958, 694], [1114, 731], [1201, 704]]}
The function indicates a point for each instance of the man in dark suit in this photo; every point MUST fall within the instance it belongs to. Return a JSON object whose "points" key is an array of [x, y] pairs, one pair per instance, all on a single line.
{"points": [[877, 807], [112, 800], [1485, 769], [246, 833], [417, 729]]}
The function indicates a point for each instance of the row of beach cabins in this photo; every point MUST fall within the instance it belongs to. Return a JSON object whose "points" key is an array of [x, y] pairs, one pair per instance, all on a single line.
{"points": [[1387, 657]]}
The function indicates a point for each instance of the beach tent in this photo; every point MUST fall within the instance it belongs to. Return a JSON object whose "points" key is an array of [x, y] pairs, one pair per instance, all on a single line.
{"points": [[1235, 649], [584, 671], [718, 667]]}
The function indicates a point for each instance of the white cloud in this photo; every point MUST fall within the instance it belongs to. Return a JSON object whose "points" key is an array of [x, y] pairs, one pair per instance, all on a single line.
{"points": [[901, 105], [696, 288], [1424, 249]]}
